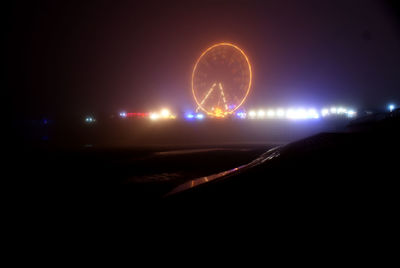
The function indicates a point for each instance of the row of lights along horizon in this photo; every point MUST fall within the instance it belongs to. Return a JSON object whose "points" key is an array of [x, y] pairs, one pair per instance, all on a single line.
{"points": [[279, 113]]}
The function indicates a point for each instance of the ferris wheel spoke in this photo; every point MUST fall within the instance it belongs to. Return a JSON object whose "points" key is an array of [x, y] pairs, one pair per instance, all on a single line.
{"points": [[208, 94], [223, 96]]}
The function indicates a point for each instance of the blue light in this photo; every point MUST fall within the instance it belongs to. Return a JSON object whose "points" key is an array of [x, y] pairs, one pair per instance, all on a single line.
{"points": [[89, 119], [241, 115], [122, 114], [189, 116], [391, 107]]}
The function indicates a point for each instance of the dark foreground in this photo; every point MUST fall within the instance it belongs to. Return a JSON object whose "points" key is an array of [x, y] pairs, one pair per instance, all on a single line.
{"points": [[148, 172], [357, 165], [355, 171]]}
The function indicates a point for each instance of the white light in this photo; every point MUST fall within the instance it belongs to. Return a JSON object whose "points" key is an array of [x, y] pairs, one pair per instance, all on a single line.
{"points": [[271, 113], [301, 113], [261, 113], [324, 112], [312, 113], [341, 110], [333, 110], [351, 113], [165, 113], [90, 119], [391, 107], [252, 114], [199, 116], [297, 114], [280, 113], [154, 116], [290, 113]]}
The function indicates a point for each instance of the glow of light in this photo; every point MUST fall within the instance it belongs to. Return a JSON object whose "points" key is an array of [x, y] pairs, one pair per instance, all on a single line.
{"points": [[122, 114], [341, 110], [290, 113], [351, 113], [301, 113], [261, 113], [312, 113], [223, 96], [325, 112], [165, 113], [271, 113], [241, 115], [89, 119], [204, 99], [296, 114], [154, 116], [200, 116], [189, 116], [391, 107], [252, 114], [333, 110], [137, 115], [280, 113], [194, 71], [218, 112]]}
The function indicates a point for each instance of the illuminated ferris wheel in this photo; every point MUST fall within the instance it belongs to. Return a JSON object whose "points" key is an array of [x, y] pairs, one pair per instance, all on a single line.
{"points": [[221, 79]]}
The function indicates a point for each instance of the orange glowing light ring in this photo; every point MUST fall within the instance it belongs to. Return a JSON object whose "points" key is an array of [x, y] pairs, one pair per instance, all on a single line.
{"points": [[194, 70]]}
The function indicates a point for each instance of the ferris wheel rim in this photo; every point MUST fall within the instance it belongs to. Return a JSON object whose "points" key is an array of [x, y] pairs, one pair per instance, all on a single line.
{"points": [[250, 74]]}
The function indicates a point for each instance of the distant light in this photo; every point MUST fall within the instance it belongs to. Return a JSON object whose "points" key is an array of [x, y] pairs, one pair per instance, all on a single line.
{"points": [[89, 119], [301, 114], [334, 110], [261, 113], [290, 113], [139, 115], [280, 113], [351, 113], [341, 110], [122, 114], [200, 116], [165, 113], [391, 107], [252, 114], [324, 112], [297, 114], [312, 113], [241, 115], [154, 116], [189, 116], [271, 113]]}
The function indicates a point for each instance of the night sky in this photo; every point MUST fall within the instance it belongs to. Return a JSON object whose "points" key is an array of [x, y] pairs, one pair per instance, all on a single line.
{"points": [[77, 57]]}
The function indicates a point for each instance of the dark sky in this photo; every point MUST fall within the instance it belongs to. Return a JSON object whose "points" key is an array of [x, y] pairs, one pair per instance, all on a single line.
{"points": [[74, 57]]}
